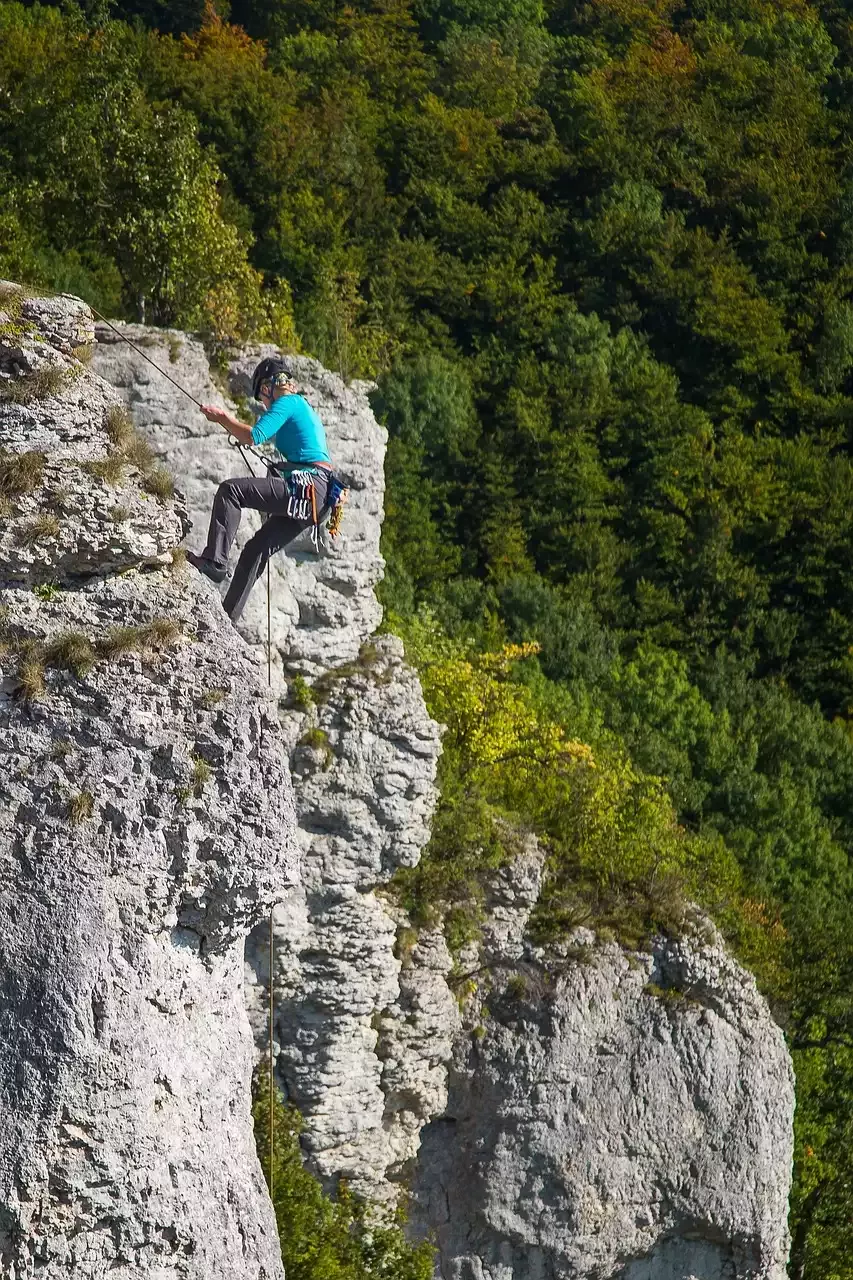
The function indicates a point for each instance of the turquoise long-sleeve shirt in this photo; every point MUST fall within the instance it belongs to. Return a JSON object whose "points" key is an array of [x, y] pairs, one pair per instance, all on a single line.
{"points": [[295, 429]]}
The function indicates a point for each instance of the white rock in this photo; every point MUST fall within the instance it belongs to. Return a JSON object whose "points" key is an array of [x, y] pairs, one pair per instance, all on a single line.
{"points": [[126, 1143]]}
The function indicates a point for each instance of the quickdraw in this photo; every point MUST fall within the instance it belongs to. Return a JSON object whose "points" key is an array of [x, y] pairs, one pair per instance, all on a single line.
{"points": [[302, 501], [336, 497]]}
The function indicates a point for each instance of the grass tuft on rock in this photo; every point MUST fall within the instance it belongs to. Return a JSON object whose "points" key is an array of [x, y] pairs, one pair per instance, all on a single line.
{"points": [[139, 453], [81, 807], [71, 651], [20, 473], [201, 775], [119, 426], [157, 634], [131, 450], [162, 631], [45, 526], [31, 684], [39, 385], [212, 698], [119, 641], [109, 469], [159, 482]]}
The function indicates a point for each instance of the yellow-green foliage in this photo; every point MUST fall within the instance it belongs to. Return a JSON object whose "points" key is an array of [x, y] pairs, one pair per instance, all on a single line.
{"points": [[616, 854], [301, 693], [321, 1238], [11, 326]]}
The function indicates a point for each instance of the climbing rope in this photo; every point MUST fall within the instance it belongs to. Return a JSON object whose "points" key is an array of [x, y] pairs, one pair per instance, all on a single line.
{"points": [[140, 352], [244, 448]]}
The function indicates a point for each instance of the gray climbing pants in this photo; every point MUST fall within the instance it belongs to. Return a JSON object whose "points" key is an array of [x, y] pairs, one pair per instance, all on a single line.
{"points": [[270, 495]]}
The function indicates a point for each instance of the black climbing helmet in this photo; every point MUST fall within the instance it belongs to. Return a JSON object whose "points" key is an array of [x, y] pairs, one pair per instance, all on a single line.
{"points": [[270, 370]]}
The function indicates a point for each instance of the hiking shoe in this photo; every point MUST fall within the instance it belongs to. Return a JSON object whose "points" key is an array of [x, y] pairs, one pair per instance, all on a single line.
{"points": [[207, 567]]}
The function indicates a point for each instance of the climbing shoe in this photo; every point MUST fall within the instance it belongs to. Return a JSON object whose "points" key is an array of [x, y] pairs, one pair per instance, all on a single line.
{"points": [[207, 567]]}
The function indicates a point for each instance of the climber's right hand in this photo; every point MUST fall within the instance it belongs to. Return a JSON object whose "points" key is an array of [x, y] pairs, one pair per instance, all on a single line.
{"points": [[213, 414]]}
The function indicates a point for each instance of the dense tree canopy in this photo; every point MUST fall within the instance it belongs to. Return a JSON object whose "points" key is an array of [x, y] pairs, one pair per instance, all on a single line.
{"points": [[597, 257]]}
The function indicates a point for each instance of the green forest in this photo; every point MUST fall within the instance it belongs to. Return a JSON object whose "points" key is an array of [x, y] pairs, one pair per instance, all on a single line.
{"points": [[597, 258]]}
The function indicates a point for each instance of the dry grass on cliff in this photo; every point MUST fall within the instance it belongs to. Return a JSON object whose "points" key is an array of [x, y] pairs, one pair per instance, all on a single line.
{"points": [[130, 450], [39, 385], [20, 473], [42, 528], [77, 653]]}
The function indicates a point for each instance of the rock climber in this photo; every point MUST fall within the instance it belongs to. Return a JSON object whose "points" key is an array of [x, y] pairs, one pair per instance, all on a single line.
{"points": [[294, 495]]}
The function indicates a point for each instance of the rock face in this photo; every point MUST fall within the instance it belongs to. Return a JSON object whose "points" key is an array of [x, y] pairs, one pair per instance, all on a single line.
{"points": [[146, 824], [589, 1113], [609, 1114], [323, 607], [361, 1038]]}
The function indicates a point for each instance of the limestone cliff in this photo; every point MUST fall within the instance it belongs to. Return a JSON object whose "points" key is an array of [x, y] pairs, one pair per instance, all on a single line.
{"points": [[586, 1112], [610, 1113], [146, 824], [361, 1044]]}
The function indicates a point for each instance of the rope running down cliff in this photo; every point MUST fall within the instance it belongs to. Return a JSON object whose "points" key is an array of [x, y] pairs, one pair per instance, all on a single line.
{"points": [[243, 450]]}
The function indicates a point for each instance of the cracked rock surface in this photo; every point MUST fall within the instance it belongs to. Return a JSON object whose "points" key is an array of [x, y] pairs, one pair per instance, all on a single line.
{"points": [[362, 1037], [609, 1113], [146, 824]]}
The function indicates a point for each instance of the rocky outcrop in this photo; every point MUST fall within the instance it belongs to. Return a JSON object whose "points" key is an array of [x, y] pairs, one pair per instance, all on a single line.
{"points": [[146, 824], [582, 1112], [361, 1038], [323, 606], [610, 1113]]}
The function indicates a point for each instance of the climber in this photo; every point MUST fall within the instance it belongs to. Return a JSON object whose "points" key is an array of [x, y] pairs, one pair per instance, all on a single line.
{"points": [[295, 494]]}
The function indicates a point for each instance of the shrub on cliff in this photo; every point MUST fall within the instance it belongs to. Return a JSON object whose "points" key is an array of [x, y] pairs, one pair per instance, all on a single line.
{"points": [[322, 1238]]}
